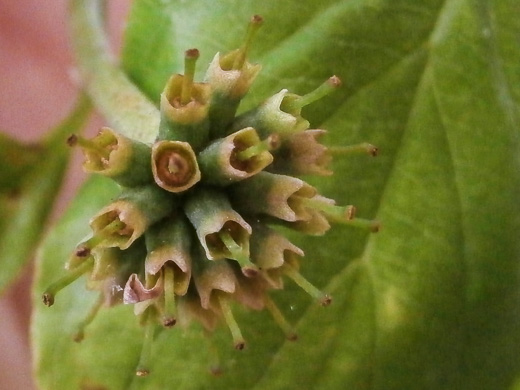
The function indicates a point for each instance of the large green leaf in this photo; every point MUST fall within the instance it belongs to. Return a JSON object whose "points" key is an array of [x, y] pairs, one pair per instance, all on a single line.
{"points": [[430, 302]]}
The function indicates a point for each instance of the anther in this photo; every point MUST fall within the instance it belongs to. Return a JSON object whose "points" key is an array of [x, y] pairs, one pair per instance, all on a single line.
{"points": [[280, 320], [271, 143], [146, 351], [303, 283], [363, 148], [238, 340], [254, 25], [238, 253], [190, 60], [80, 334], [71, 276], [323, 90]]}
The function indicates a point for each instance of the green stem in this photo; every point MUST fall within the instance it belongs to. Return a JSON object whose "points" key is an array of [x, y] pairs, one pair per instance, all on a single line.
{"points": [[115, 96]]}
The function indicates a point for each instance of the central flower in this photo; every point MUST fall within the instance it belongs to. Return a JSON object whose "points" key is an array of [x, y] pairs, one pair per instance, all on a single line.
{"points": [[193, 231]]}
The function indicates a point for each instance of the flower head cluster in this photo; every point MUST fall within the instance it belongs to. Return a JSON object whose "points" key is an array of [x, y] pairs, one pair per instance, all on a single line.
{"points": [[194, 230]]}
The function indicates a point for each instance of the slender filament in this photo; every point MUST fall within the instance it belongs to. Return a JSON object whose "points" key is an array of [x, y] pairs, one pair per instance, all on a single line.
{"points": [[254, 26], [190, 60], [169, 319], [309, 288], [280, 320], [238, 339], [71, 276], [363, 148], [323, 90], [146, 351], [238, 253], [94, 310]]}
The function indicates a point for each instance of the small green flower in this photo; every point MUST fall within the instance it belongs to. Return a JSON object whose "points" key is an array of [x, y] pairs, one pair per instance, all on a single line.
{"points": [[193, 232]]}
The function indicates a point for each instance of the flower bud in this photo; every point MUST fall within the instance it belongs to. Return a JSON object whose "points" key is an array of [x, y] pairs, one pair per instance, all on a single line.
{"points": [[272, 194], [184, 107], [281, 113], [169, 241], [269, 250], [230, 77], [222, 232], [235, 157], [111, 154], [212, 275], [302, 154], [122, 222], [174, 166]]}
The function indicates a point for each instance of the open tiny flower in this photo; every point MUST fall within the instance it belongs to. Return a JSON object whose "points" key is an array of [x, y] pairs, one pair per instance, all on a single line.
{"points": [[193, 233]]}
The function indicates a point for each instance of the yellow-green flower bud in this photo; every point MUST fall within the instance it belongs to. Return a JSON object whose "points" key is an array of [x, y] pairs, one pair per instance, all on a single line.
{"points": [[122, 222], [113, 155], [230, 77], [281, 113], [236, 157], [302, 154], [222, 232], [272, 194], [184, 107], [174, 166], [269, 250], [169, 241]]}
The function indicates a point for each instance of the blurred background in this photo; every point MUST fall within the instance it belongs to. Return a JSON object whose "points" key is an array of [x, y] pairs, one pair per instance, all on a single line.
{"points": [[38, 87]]}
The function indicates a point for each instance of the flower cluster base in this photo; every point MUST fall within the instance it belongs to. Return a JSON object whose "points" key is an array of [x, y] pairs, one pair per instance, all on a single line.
{"points": [[195, 229]]}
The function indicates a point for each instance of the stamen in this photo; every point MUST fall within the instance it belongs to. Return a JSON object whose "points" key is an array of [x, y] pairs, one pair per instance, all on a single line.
{"points": [[239, 254], [71, 276], [238, 340], [254, 26], [168, 316], [80, 334], [280, 320], [88, 144], [116, 226], [332, 212], [270, 143], [363, 148], [368, 224], [309, 288], [146, 351], [190, 61], [323, 90]]}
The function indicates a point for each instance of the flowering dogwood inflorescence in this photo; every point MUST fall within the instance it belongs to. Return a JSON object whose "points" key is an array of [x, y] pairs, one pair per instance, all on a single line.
{"points": [[193, 231]]}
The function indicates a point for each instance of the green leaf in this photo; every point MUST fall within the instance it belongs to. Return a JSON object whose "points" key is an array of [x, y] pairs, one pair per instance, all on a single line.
{"points": [[430, 302], [30, 179]]}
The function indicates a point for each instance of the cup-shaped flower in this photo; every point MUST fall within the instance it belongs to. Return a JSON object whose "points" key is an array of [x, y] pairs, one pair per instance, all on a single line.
{"points": [[222, 232], [269, 250], [184, 107], [303, 154], [169, 242], [268, 118], [236, 157], [174, 166], [111, 154], [272, 194], [125, 220], [230, 76]]}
